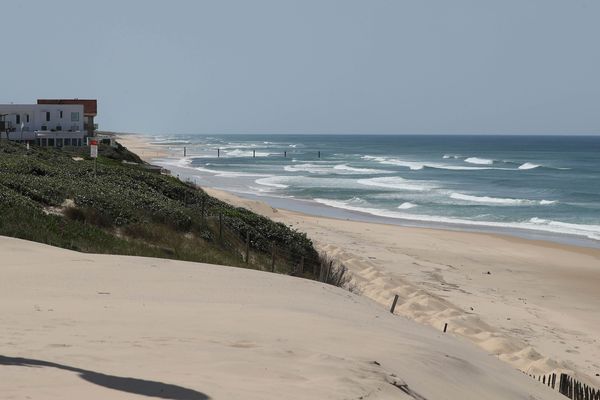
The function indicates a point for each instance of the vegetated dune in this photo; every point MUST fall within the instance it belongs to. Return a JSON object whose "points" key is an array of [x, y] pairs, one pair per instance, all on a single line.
{"points": [[76, 325]]}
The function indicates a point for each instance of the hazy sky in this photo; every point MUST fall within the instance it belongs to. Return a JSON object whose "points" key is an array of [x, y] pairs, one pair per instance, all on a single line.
{"points": [[278, 66]]}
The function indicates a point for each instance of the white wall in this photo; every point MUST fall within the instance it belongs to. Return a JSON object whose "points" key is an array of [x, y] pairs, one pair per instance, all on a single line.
{"points": [[37, 117]]}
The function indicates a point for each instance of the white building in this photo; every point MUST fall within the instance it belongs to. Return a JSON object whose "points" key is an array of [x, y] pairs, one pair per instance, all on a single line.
{"points": [[55, 125]]}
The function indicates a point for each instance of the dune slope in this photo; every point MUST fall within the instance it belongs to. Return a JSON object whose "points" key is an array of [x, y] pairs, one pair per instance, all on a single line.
{"points": [[90, 326]]}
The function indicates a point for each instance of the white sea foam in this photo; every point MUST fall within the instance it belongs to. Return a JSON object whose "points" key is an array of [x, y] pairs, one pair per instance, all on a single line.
{"points": [[310, 168], [414, 165], [479, 161], [455, 156], [272, 181], [417, 165], [407, 205], [498, 201], [340, 169], [395, 182], [533, 224], [356, 170], [528, 165], [246, 153], [230, 174]]}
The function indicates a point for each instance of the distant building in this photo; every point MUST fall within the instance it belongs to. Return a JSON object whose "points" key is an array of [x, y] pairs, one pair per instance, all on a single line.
{"points": [[90, 110], [54, 123]]}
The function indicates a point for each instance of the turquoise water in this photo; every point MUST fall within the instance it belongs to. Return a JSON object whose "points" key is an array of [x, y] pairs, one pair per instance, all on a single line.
{"points": [[533, 183]]}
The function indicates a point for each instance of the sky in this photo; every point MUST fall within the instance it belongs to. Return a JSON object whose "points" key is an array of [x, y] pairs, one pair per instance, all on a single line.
{"points": [[311, 66]]}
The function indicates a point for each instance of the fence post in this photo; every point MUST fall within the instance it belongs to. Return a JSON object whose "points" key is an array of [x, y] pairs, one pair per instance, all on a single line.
{"points": [[394, 304], [272, 256], [328, 271], [247, 246], [321, 272], [445, 327], [221, 227]]}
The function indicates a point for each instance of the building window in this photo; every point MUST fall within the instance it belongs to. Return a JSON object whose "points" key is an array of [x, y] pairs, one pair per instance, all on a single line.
{"points": [[47, 116], [60, 113], [59, 128], [27, 117], [18, 119], [44, 128], [74, 117]]}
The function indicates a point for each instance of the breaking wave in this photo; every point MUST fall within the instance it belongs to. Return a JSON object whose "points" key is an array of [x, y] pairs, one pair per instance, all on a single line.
{"points": [[418, 165], [246, 153], [340, 169], [479, 161], [397, 183], [528, 165], [272, 181], [499, 201], [407, 205]]}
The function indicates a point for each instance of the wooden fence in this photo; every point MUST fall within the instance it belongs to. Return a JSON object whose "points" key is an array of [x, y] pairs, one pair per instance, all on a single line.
{"points": [[569, 386]]}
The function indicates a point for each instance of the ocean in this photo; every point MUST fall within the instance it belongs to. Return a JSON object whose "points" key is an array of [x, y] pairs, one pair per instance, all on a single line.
{"points": [[545, 187]]}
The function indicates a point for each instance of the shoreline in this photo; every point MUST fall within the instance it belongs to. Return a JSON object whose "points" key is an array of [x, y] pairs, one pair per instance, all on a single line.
{"points": [[529, 302], [152, 153]]}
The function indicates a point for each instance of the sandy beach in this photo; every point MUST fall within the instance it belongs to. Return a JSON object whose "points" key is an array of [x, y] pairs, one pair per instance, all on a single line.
{"points": [[92, 326], [142, 147], [530, 303]]}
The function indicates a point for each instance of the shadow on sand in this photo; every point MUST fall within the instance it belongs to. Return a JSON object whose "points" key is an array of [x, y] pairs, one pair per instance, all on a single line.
{"points": [[129, 385]]}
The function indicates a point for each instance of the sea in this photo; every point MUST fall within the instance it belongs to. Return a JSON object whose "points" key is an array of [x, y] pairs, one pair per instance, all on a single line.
{"points": [[539, 187]]}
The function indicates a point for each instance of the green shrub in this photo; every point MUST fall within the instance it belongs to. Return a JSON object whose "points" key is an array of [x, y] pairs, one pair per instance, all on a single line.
{"points": [[124, 209]]}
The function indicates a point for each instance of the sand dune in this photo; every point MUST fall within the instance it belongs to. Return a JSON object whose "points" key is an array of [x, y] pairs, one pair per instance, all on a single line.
{"points": [[89, 326], [529, 303]]}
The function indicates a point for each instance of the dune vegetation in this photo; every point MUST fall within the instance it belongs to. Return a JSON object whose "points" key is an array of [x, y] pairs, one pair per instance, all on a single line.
{"points": [[59, 197]]}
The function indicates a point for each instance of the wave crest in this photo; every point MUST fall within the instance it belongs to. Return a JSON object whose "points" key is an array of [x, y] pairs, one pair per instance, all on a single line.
{"points": [[407, 205], [499, 201], [397, 183], [479, 161], [528, 165]]}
